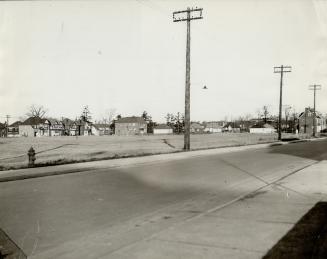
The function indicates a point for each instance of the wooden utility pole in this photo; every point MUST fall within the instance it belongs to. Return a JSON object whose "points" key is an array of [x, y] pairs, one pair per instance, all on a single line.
{"points": [[179, 16], [7, 124], [282, 69], [314, 88]]}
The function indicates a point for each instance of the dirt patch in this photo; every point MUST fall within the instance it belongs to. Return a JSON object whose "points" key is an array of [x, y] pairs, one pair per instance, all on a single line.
{"points": [[307, 239]]}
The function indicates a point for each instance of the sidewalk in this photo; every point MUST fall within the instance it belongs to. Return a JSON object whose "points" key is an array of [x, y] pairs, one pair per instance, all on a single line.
{"points": [[247, 228], [20, 174]]}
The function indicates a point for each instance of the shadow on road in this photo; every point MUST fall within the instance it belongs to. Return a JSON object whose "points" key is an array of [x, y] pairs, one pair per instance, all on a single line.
{"points": [[307, 239], [53, 210], [315, 150]]}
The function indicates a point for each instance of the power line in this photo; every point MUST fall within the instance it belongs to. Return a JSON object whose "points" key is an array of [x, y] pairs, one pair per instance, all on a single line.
{"points": [[314, 88], [179, 16], [282, 69]]}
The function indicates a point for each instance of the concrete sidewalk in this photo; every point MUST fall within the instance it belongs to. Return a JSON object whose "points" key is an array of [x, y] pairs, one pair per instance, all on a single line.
{"points": [[245, 228], [20, 174]]}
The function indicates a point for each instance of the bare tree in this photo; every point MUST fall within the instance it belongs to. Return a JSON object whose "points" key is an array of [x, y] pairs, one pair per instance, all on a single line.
{"points": [[111, 114], [265, 113], [258, 112], [108, 116], [36, 111]]}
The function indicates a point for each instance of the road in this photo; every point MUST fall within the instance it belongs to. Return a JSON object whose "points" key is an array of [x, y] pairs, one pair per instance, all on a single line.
{"points": [[96, 213]]}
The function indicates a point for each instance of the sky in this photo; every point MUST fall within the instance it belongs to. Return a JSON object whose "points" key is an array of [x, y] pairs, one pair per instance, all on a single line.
{"points": [[130, 56]]}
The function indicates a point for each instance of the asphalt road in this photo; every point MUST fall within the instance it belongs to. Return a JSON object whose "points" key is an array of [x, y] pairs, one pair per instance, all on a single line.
{"points": [[94, 213]]}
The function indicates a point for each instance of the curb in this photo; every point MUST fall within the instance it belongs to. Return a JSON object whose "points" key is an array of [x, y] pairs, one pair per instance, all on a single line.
{"points": [[27, 173]]}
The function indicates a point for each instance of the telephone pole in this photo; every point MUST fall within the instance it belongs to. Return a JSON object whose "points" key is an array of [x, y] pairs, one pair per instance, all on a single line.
{"points": [[7, 124], [282, 69], [314, 88], [179, 16]]}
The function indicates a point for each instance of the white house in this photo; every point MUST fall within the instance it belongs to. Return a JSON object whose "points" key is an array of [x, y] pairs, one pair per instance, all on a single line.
{"points": [[162, 129], [213, 127], [262, 128]]}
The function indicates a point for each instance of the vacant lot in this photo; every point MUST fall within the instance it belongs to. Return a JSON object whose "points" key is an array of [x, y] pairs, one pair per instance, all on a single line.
{"points": [[58, 150]]}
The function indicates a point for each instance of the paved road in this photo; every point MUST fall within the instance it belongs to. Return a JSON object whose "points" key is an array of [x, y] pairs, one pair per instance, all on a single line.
{"points": [[95, 213]]}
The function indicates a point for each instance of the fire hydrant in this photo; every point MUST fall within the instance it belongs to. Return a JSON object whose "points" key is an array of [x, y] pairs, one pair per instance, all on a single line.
{"points": [[31, 157]]}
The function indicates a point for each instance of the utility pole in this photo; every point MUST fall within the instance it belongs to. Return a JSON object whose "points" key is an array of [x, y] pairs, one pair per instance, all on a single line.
{"points": [[7, 124], [282, 69], [314, 88], [179, 16]]}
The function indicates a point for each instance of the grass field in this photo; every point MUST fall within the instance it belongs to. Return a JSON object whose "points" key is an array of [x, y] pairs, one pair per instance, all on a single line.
{"points": [[60, 150]]}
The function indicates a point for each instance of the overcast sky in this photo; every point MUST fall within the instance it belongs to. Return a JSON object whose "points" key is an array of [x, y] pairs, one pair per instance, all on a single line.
{"points": [[130, 56]]}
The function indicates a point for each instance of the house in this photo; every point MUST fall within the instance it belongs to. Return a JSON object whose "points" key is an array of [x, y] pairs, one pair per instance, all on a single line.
{"points": [[264, 128], [70, 127], [101, 129], [162, 129], [84, 128], [196, 128], [34, 127], [130, 126], [56, 127], [13, 129], [306, 121], [232, 127], [213, 127]]}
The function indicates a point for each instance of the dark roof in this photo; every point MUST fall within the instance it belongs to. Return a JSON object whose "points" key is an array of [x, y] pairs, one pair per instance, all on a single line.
{"points": [[162, 126], [34, 121], [263, 125], [54, 121], [132, 119], [68, 122], [15, 124], [2, 125], [232, 124]]}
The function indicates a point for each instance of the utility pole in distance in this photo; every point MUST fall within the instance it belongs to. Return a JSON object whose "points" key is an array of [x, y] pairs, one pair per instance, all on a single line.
{"points": [[314, 88], [179, 16], [282, 69], [7, 124]]}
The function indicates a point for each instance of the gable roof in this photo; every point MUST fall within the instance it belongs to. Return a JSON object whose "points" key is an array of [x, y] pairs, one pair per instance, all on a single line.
{"points": [[132, 119], [54, 121], [34, 121], [15, 124], [68, 122]]}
